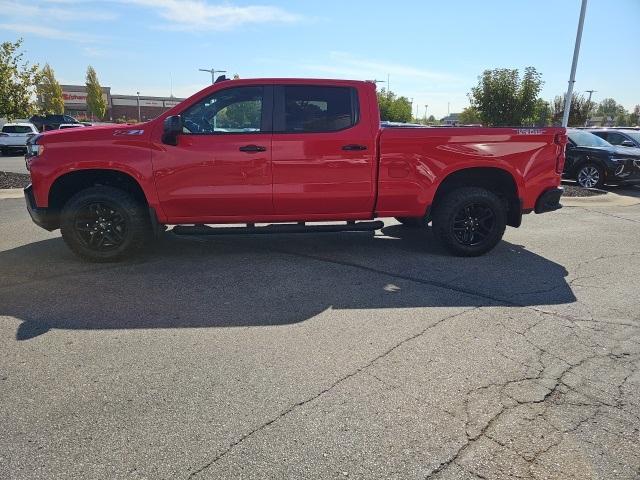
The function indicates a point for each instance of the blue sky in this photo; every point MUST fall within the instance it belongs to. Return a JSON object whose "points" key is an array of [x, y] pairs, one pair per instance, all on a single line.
{"points": [[432, 50]]}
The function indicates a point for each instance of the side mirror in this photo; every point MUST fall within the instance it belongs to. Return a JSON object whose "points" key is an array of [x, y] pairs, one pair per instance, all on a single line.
{"points": [[172, 128], [627, 143]]}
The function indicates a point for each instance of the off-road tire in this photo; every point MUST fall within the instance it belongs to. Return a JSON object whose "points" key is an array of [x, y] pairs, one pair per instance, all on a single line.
{"points": [[450, 215], [131, 218]]}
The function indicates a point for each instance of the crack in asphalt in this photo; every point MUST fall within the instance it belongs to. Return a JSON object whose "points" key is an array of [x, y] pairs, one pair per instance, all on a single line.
{"points": [[324, 391], [471, 439], [610, 215]]}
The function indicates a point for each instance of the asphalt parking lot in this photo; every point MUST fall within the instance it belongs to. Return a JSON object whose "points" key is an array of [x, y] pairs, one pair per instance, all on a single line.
{"points": [[325, 355], [13, 163]]}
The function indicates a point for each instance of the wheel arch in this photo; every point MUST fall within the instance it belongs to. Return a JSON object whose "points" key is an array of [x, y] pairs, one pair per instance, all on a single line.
{"points": [[495, 179], [68, 184]]}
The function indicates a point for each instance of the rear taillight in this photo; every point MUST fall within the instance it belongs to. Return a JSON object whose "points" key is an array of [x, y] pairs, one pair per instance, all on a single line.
{"points": [[560, 140]]}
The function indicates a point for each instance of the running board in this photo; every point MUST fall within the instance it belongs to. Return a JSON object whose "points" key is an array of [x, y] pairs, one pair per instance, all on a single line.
{"points": [[278, 228]]}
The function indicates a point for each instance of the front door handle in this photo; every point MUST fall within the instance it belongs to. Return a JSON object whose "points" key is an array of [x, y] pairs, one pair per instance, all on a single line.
{"points": [[253, 148], [353, 146]]}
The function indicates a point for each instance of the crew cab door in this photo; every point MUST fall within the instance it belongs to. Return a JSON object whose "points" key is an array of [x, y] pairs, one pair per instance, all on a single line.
{"points": [[221, 166], [323, 153]]}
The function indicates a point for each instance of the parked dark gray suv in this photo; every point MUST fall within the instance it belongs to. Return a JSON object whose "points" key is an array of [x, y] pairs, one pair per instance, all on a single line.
{"points": [[592, 161], [623, 137]]}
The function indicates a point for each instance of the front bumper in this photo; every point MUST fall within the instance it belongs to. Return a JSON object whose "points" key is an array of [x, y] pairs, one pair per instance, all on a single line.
{"points": [[625, 172], [549, 200], [43, 217]]}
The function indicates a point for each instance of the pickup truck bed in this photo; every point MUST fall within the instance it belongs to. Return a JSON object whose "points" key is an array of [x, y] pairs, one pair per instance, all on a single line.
{"points": [[287, 150]]}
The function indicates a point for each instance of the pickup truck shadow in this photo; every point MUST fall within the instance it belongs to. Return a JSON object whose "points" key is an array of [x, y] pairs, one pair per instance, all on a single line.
{"points": [[260, 280]]}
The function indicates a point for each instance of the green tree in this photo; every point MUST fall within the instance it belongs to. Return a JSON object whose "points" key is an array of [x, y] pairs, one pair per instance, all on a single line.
{"points": [[541, 116], [393, 108], [95, 101], [469, 115], [578, 114], [634, 117], [17, 82], [502, 98], [49, 93], [610, 108], [622, 120]]}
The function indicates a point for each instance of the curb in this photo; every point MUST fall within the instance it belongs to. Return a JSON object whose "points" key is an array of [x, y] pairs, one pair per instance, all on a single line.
{"points": [[609, 200], [6, 193]]}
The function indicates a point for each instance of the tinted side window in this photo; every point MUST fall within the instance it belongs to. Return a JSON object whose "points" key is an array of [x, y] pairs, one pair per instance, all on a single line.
{"points": [[234, 110], [319, 109], [615, 138], [68, 119]]}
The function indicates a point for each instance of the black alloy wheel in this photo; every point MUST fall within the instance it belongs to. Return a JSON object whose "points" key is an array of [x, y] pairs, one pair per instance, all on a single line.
{"points": [[100, 226], [473, 223]]}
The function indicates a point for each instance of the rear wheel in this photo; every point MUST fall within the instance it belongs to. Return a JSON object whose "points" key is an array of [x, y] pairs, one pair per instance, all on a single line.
{"points": [[4, 151], [469, 221], [412, 222], [590, 175], [104, 224]]}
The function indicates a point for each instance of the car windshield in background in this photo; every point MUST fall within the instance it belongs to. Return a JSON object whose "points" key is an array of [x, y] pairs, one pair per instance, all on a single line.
{"points": [[16, 129], [634, 135], [586, 139]]}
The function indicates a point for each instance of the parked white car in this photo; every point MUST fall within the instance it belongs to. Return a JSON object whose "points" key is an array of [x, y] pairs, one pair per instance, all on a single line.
{"points": [[14, 136]]}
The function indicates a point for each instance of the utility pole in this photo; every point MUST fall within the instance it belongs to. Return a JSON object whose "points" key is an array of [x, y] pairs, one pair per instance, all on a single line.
{"points": [[138, 96], [213, 72], [448, 108], [574, 65], [590, 92], [388, 87], [425, 113]]}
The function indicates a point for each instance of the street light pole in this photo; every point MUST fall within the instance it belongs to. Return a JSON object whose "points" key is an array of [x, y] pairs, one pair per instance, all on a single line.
{"points": [[213, 72], [425, 113], [590, 92], [138, 96], [574, 65]]}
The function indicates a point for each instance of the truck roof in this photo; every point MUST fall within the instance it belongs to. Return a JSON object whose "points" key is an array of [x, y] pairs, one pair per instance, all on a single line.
{"points": [[298, 81]]}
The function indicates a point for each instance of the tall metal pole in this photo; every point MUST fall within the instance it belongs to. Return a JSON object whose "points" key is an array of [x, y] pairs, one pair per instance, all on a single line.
{"points": [[590, 92], [574, 65], [139, 119]]}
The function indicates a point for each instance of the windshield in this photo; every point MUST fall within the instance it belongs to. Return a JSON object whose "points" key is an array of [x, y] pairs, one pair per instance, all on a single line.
{"points": [[586, 139], [634, 135]]}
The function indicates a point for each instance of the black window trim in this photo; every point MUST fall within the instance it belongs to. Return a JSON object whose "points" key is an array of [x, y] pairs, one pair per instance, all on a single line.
{"points": [[266, 120], [279, 106]]}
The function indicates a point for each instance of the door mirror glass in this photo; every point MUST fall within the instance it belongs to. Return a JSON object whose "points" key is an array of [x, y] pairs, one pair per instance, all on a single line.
{"points": [[172, 128], [627, 143]]}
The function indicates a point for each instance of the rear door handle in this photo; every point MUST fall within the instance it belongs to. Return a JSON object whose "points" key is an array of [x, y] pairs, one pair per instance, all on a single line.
{"points": [[253, 148], [354, 146]]}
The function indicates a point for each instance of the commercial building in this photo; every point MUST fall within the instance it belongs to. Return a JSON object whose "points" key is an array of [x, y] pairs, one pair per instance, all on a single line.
{"points": [[119, 107]]}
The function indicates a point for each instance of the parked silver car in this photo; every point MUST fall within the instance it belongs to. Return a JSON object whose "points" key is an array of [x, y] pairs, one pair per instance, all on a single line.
{"points": [[14, 136]]}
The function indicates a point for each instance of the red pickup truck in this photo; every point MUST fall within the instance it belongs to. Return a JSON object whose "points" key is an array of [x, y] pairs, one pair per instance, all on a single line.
{"points": [[286, 152]]}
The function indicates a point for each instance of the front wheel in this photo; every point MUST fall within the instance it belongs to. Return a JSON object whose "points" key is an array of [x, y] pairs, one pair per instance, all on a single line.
{"points": [[104, 224], [590, 175], [469, 221]]}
